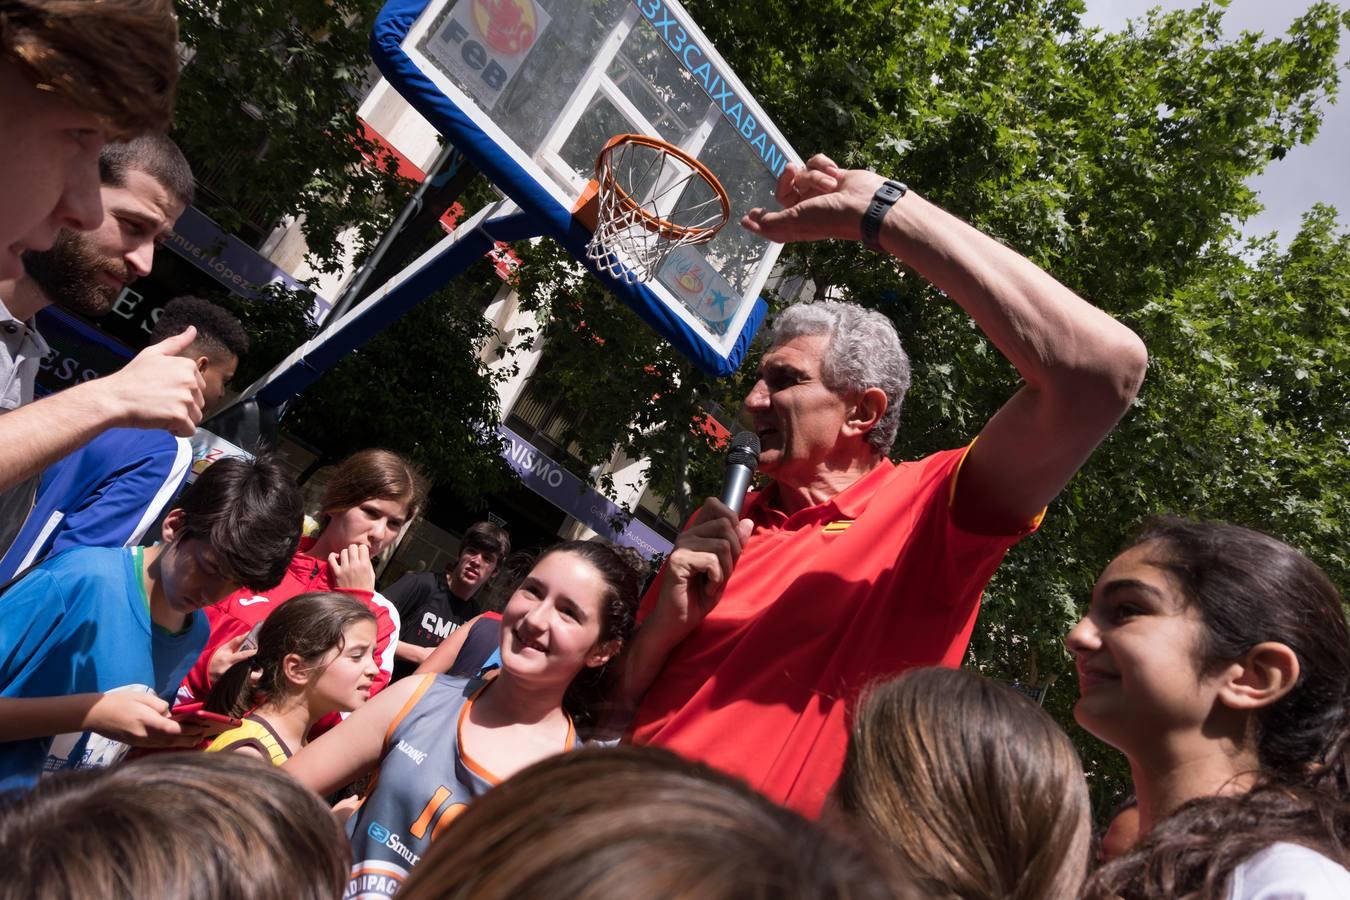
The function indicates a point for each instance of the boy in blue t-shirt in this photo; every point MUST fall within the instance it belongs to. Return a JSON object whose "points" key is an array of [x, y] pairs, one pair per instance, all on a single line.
{"points": [[94, 641]]}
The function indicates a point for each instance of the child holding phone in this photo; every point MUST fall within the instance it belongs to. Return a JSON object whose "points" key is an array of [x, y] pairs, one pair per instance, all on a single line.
{"points": [[316, 657], [94, 641], [369, 498], [196, 714]]}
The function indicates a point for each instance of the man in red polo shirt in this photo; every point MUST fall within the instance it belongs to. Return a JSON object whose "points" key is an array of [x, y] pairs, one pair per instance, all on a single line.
{"points": [[761, 631]]}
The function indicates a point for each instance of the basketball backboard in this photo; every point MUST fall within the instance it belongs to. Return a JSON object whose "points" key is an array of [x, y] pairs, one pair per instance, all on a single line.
{"points": [[531, 90]]}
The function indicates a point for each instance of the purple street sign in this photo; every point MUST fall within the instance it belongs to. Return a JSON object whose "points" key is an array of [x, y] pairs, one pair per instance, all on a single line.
{"points": [[239, 267], [567, 492]]}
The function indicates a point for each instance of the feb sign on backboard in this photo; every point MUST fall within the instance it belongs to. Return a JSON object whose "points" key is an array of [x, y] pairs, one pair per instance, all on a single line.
{"points": [[531, 90]]}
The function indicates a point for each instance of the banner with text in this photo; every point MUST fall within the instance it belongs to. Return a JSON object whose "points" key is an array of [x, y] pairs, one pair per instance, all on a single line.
{"points": [[567, 492]]}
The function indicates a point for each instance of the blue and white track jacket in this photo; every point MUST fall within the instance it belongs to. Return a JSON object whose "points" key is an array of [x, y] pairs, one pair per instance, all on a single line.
{"points": [[106, 494]]}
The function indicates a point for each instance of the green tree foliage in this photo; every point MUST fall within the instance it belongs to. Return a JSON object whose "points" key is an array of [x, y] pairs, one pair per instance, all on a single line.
{"points": [[266, 111], [272, 131], [625, 388], [421, 388]]}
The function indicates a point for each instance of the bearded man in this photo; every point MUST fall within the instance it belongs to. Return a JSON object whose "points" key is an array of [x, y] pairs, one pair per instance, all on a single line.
{"points": [[145, 184]]}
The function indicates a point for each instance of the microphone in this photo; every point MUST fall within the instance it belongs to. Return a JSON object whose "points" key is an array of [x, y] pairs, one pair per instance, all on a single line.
{"points": [[741, 462]]}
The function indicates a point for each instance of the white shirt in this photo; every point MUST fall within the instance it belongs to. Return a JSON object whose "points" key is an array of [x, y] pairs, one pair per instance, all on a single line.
{"points": [[1289, 872], [21, 350]]}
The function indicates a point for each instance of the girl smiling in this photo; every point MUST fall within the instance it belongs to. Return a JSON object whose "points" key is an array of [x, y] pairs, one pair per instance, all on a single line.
{"points": [[1217, 659], [440, 741]]}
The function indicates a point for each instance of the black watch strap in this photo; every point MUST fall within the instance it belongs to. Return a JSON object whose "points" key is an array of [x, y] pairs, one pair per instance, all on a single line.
{"points": [[882, 201]]}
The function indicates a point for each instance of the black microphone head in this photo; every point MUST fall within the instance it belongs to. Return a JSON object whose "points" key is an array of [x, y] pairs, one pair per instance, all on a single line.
{"points": [[744, 450]]}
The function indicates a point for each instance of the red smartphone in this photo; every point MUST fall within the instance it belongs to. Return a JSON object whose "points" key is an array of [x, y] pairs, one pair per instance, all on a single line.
{"points": [[193, 712]]}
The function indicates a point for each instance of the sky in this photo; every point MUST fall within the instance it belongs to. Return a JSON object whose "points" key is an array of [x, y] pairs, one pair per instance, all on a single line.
{"points": [[1314, 172]]}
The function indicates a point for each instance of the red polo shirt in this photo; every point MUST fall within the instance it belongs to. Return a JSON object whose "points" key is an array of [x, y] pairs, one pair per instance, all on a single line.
{"points": [[876, 580]]}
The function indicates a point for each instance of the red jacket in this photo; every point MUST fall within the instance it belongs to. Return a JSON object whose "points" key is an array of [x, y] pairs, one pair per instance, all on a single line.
{"points": [[238, 613]]}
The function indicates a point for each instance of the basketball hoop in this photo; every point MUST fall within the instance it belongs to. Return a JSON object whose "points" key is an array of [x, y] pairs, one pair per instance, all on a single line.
{"points": [[681, 203]]}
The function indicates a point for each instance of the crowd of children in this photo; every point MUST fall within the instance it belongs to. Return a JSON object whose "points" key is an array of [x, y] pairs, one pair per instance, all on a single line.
{"points": [[96, 640], [365, 504], [1215, 657], [215, 714]]}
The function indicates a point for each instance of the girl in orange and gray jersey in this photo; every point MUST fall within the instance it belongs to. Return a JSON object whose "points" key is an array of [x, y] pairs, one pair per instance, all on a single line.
{"points": [[439, 741]]}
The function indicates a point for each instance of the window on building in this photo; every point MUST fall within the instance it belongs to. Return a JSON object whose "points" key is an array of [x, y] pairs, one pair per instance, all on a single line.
{"points": [[658, 512], [542, 417]]}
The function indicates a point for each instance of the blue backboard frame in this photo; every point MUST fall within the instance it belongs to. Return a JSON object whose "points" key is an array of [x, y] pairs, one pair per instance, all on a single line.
{"points": [[549, 211]]}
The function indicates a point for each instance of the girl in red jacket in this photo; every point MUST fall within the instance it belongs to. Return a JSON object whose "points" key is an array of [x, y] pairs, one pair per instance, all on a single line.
{"points": [[370, 497]]}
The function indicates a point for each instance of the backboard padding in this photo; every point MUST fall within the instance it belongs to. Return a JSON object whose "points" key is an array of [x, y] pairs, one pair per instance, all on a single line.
{"points": [[548, 82]]}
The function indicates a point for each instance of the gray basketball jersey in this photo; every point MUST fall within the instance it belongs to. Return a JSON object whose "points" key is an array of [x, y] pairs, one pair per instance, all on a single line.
{"points": [[424, 781]]}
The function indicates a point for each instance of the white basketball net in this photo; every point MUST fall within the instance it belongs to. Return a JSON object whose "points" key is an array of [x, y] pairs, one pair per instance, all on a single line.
{"points": [[651, 202]]}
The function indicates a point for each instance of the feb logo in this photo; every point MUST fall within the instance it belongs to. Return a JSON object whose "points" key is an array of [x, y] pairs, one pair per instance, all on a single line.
{"points": [[507, 26]]}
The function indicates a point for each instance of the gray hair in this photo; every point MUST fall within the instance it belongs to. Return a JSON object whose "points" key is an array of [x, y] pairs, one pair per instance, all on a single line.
{"points": [[863, 352]]}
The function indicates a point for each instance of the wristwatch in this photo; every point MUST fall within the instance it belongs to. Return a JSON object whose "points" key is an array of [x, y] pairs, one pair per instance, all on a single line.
{"points": [[882, 201]]}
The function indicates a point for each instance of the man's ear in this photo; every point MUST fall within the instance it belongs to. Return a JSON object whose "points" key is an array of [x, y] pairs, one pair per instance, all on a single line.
{"points": [[203, 363], [1264, 675], [864, 414], [602, 653], [173, 524]]}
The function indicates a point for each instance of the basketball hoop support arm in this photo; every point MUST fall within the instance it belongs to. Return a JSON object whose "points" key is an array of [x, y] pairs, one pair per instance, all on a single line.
{"points": [[502, 221]]}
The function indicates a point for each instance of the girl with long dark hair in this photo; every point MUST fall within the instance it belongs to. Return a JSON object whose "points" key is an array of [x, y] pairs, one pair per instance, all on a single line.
{"points": [[1217, 659], [436, 742]]}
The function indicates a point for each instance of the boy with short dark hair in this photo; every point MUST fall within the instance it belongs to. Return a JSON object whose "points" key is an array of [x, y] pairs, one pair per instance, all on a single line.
{"points": [[431, 606], [112, 491], [97, 639]]}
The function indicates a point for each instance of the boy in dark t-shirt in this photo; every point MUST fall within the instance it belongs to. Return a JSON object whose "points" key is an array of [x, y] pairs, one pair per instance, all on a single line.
{"points": [[432, 605]]}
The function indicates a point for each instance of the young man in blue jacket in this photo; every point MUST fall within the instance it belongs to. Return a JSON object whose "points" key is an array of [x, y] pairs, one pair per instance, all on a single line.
{"points": [[112, 490]]}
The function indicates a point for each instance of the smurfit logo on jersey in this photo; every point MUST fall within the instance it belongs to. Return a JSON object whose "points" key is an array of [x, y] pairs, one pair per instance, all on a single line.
{"points": [[386, 837], [483, 43], [714, 84]]}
